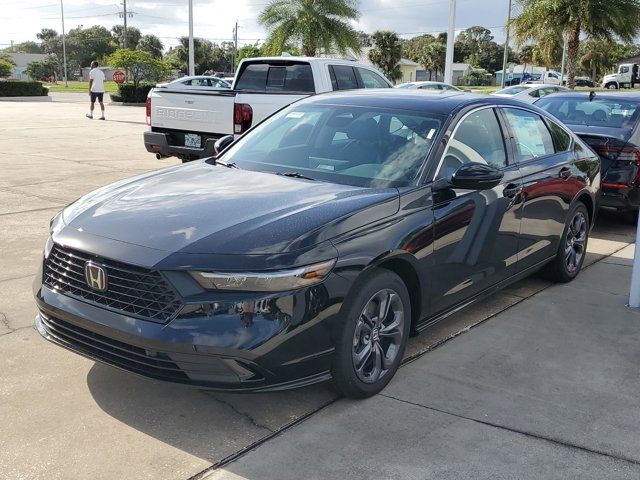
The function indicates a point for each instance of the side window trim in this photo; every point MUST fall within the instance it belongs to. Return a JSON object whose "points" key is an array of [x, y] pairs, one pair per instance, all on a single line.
{"points": [[556, 124], [514, 148], [505, 141]]}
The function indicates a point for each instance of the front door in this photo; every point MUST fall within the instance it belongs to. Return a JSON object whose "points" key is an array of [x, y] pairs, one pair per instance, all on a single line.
{"points": [[475, 232]]}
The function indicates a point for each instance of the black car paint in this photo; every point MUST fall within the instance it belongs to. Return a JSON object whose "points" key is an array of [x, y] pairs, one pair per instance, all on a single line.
{"points": [[451, 247], [618, 190]]}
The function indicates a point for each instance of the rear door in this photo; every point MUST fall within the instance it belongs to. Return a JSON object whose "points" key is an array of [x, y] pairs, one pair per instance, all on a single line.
{"points": [[550, 181], [475, 232]]}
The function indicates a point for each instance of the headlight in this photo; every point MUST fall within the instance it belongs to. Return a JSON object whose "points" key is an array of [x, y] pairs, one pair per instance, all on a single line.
{"points": [[276, 281], [48, 247]]}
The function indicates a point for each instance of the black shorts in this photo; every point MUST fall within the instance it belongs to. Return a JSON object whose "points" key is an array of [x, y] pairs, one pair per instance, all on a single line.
{"points": [[97, 95]]}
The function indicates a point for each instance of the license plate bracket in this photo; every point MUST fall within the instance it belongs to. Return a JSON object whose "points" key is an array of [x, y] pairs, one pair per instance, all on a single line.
{"points": [[192, 140]]}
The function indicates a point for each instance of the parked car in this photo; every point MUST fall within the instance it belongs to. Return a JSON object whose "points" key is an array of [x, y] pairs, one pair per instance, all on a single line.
{"points": [[428, 85], [313, 246], [549, 77], [608, 122], [197, 82], [529, 92], [582, 82], [187, 126]]}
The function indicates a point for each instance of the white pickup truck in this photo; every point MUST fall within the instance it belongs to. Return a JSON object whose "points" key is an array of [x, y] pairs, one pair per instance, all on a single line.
{"points": [[187, 123]]}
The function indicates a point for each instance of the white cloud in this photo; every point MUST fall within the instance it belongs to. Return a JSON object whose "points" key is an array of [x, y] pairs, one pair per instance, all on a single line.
{"points": [[214, 19]]}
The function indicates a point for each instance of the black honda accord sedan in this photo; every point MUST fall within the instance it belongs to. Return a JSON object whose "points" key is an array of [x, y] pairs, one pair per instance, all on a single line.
{"points": [[312, 248]]}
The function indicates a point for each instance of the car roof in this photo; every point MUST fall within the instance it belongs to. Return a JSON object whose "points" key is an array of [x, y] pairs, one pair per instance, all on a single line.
{"points": [[599, 94], [406, 99]]}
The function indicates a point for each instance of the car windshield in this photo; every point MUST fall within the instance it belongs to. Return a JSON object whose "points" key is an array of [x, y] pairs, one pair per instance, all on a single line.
{"points": [[513, 90], [404, 85], [351, 145], [603, 112]]}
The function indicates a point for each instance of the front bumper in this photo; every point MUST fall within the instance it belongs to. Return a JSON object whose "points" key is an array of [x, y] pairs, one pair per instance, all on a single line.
{"points": [[273, 343]]}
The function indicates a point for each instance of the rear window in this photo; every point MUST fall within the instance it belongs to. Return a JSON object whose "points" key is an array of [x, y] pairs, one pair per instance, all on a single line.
{"points": [[513, 90], [603, 112], [264, 77]]}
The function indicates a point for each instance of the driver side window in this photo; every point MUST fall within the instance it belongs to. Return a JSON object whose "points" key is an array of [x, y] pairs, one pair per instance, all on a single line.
{"points": [[478, 138]]}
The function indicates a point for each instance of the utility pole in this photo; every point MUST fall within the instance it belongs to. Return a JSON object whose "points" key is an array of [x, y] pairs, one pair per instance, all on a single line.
{"points": [[192, 67], [235, 47], [64, 48], [124, 40], [505, 56], [448, 65], [564, 59]]}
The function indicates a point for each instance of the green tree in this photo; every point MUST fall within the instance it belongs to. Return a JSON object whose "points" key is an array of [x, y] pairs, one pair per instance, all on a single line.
{"points": [[593, 19], [6, 67], [139, 65], [26, 47], [248, 51], [386, 53], [50, 40], [318, 26], [475, 46], [525, 56], [151, 44], [133, 36], [595, 57], [87, 44], [45, 68]]}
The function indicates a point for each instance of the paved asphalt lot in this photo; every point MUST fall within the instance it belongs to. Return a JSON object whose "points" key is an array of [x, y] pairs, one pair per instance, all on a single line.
{"points": [[64, 417]]}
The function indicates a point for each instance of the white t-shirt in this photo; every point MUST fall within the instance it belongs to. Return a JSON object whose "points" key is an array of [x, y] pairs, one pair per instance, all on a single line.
{"points": [[97, 76]]}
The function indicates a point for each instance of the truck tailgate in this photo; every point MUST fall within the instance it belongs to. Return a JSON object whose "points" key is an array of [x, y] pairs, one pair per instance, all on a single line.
{"points": [[195, 111], [265, 104]]}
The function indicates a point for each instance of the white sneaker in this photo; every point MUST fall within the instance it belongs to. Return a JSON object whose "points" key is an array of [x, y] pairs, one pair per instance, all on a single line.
{"points": [[102, 118], [89, 116]]}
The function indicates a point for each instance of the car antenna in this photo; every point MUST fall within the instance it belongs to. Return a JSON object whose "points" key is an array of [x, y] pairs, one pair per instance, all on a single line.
{"points": [[592, 95]]}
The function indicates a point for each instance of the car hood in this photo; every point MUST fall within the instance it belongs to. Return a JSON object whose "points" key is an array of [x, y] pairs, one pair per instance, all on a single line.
{"points": [[203, 208]]}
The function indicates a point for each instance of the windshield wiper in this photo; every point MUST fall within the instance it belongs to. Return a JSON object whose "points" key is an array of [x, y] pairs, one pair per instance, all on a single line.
{"points": [[228, 165], [295, 175]]}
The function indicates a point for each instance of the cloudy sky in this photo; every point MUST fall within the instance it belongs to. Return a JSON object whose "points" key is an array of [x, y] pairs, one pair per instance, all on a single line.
{"points": [[214, 19]]}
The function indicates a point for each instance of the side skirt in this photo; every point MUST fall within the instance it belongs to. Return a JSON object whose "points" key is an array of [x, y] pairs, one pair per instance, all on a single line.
{"points": [[430, 321]]}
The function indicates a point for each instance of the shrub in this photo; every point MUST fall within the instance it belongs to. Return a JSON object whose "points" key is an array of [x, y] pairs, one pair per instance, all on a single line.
{"points": [[128, 93], [14, 88]]}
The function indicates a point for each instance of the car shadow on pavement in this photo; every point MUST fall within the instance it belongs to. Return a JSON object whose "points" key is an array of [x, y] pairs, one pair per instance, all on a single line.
{"points": [[209, 425]]}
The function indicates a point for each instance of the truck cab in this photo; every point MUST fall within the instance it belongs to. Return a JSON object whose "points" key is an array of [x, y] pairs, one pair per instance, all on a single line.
{"points": [[625, 77]]}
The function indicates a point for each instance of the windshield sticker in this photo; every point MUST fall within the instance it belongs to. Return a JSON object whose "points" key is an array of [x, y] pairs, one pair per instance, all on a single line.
{"points": [[295, 114], [430, 134]]}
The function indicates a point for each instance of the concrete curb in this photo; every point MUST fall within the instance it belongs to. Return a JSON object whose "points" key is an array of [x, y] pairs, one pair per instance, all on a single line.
{"points": [[42, 98]]}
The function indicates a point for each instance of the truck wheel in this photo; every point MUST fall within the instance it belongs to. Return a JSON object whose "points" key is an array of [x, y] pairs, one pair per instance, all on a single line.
{"points": [[611, 86]]}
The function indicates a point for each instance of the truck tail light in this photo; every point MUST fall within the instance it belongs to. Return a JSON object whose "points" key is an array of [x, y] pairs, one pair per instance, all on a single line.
{"points": [[148, 110], [242, 117]]}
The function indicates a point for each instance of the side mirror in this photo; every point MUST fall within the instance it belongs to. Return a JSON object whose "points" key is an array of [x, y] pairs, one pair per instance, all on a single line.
{"points": [[476, 176], [222, 143]]}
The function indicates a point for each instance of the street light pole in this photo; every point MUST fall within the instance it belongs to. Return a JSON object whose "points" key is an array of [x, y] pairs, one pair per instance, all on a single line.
{"points": [[564, 59], [448, 65], [64, 47], [124, 6], [192, 68], [505, 56]]}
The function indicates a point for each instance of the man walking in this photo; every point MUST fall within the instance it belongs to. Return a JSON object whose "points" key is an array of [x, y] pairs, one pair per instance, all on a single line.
{"points": [[96, 88]]}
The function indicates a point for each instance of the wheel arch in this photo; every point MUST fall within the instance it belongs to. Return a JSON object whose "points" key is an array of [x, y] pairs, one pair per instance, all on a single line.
{"points": [[586, 199], [402, 264]]}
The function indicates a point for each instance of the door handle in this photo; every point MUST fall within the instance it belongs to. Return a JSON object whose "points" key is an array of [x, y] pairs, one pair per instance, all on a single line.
{"points": [[565, 173], [511, 190]]}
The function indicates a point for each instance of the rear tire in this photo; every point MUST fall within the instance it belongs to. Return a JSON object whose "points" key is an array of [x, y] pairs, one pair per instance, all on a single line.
{"points": [[376, 320], [611, 86], [572, 249]]}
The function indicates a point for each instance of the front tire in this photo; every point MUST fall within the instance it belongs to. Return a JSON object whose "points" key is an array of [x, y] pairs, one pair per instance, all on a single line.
{"points": [[377, 320], [572, 249], [611, 86]]}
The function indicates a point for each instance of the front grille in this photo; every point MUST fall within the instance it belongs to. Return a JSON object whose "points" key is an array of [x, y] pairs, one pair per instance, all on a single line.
{"points": [[131, 290]]}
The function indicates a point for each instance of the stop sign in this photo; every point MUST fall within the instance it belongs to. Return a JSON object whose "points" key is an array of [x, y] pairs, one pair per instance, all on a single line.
{"points": [[118, 76]]}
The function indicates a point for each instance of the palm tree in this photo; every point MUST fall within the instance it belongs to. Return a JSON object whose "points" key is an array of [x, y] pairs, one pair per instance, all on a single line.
{"points": [[598, 19], [525, 55], [386, 53], [317, 25], [596, 56]]}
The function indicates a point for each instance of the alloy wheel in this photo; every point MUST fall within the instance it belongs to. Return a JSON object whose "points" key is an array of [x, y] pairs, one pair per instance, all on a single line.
{"points": [[377, 338], [576, 241]]}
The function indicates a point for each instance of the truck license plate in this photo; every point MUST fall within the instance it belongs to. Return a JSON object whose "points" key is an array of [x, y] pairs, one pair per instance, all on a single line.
{"points": [[192, 140]]}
